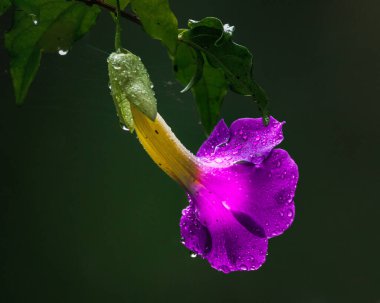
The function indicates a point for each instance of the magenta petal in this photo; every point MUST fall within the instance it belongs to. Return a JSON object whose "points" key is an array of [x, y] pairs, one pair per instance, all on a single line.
{"points": [[248, 140], [220, 135], [228, 246]]}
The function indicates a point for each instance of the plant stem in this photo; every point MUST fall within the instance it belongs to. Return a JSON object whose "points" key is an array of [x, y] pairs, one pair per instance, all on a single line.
{"points": [[124, 14], [118, 28]]}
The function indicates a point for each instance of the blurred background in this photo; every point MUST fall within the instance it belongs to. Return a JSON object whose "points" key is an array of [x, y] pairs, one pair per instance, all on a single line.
{"points": [[85, 215]]}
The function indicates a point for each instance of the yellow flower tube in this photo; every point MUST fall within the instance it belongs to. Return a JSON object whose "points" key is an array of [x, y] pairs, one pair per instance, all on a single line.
{"points": [[164, 148]]}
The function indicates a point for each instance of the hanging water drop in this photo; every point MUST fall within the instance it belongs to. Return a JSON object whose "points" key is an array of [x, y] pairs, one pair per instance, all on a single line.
{"points": [[62, 52], [34, 19], [193, 255], [290, 213], [124, 127], [243, 267]]}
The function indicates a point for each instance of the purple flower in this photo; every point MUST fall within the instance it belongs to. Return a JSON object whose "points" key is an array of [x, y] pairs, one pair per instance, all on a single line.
{"points": [[243, 195], [240, 188]]}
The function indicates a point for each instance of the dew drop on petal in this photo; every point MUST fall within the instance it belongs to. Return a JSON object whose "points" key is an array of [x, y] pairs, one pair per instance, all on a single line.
{"points": [[193, 255], [243, 267], [225, 205], [225, 269], [290, 213]]}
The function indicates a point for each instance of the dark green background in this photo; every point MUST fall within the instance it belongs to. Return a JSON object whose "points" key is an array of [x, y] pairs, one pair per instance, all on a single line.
{"points": [[87, 217]]}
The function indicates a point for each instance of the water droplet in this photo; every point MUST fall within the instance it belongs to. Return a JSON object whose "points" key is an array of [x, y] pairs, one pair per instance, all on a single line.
{"points": [[62, 52], [123, 127], [243, 267], [117, 67], [193, 255], [290, 213], [151, 86], [183, 241], [225, 269], [34, 19], [226, 206]]}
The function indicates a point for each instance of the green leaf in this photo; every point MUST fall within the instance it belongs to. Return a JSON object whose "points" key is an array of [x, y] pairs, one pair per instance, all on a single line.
{"points": [[197, 76], [213, 88], [214, 40], [209, 91], [39, 26], [4, 5], [158, 21]]}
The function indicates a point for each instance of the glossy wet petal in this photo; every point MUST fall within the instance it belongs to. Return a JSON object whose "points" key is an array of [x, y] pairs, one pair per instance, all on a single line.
{"points": [[246, 140], [226, 244]]}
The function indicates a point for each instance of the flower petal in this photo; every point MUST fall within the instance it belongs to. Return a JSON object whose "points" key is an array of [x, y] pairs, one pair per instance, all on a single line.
{"points": [[228, 246], [248, 140], [220, 135]]}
